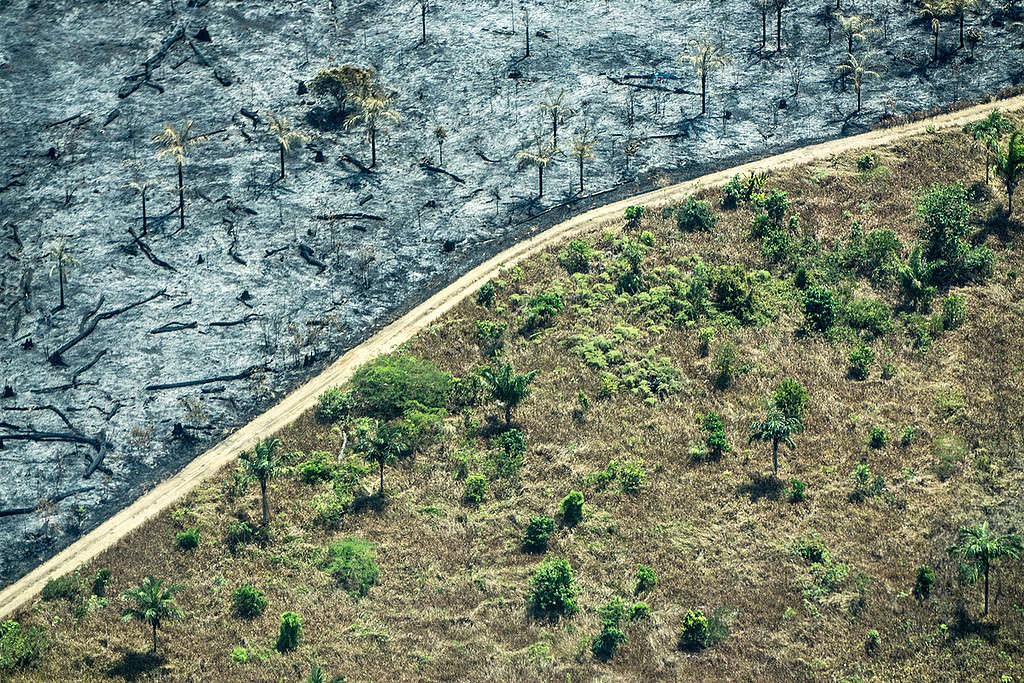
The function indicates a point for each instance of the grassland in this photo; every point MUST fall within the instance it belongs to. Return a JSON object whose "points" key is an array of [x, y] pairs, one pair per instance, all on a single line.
{"points": [[451, 601]]}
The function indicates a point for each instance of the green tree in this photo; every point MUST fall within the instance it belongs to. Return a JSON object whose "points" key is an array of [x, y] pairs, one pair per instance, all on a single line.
{"points": [[261, 465], [988, 132], [1009, 164], [915, 281], [383, 445], [777, 429], [177, 143], [981, 547], [286, 135], [154, 604], [508, 387]]}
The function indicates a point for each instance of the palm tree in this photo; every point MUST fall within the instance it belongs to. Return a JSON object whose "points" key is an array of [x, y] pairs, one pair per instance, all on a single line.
{"points": [[988, 132], [960, 8], [582, 143], [440, 134], [63, 261], [375, 112], [261, 465], [553, 104], [154, 603], [1009, 165], [860, 69], [141, 185], [508, 387], [778, 5], [856, 27], [383, 445], [935, 10], [778, 429], [705, 57], [915, 280], [177, 143], [423, 20], [285, 135], [980, 547], [763, 6], [541, 158]]}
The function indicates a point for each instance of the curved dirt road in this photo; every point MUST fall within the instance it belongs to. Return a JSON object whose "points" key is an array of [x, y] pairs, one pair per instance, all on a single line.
{"points": [[168, 492]]}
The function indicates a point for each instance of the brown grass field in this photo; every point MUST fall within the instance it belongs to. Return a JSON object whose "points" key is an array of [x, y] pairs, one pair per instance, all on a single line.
{"points": [[451, 601]]}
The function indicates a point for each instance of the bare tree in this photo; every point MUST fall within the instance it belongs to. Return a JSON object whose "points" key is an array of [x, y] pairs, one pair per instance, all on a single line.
{"points": [[286, 135], [763, 6], [63, 261], [960, 8], [177, 143], [706, 57], [541, 156], [779, 5], [860, 69], [423, 19], [582, 143], [440, 133], [142, 185]]}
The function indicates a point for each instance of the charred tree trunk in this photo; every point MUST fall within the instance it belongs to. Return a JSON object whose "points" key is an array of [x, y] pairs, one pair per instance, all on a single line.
{"points": [[181, 199]]}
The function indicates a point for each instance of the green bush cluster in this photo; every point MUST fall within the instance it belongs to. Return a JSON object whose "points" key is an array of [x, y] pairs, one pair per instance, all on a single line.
{"points": [[333, 405], [188, 539], [290, 633], [954, 312], [877, 256], [391, 386], [538, 532], [248, 601], [695, 215], [714, 441], [318, 468], [605, 643], [820, 309], [861, 359], [864, 485], [485, 295], [646, 579], [575, 257], [946, 213], [923, 582], [490, 337], [797, 491], [571, 508], [474, 489], [872, 316], [553, 591], [877, 437], [65, 587], [630, 474], [352, 563], [20, 647]]}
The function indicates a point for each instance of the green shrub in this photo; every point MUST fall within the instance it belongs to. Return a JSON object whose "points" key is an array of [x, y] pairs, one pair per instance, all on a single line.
{"points": [[239, 533], [485, 295], [352, 563], [575, 256], [923, 582], [802, 279], [631, 475], [638, 611], [861, 359], [633, 215], [490, 337], [541, 310], [877, 438], [474, 489], [100, 581], [607, 641], [248, 602], [797, 491], [538, 532], [881, 256], [330, 507], [572, 508], [332, 405], [727, 366], [553, 592], [390, 385], [239, 655], [609, 386], [705, 336], [870, 315], [954, 311], [696, 633], [511, 441], [812, 549], [733, 193], [613, 611], [646, 579], [715, 439], [873, 641], [864, 486], [188, 539], [317, 470], [908, 435], [65, 587], [20, 647], [946, 214], [820, 309], [949, 451], [290, 633], [734, 293], [791, 399], [695, 214], [865, 162]]}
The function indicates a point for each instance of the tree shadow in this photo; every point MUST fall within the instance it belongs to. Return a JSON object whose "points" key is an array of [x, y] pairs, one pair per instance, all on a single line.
{"points": [[325, 118], [134, 665], [761, 486], [965, 626]]}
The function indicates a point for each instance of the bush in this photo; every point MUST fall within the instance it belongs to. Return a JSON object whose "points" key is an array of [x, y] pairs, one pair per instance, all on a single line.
{"points": [[332, 405], [554, 589], [541, 310], [188, 539], [881, 255], [695, 214], [864, 486], [631, 475], [646, 579], [609, 386], [390, 385], [20, 647], [538, 531], [733, 193], [575, 256], [877, 438], [705, 336], [474, 489], [861, 359], [633, 215], [820, 309], [607, 641], [248, 602], [696, 633], [734, 294], [572, 508], [923, 582], [871, 315], [317, 470], [954, 311], [873, 641], [62, 588], [908, 435], [946, 214], [715, 439], [239, 655], [511, 441], [291, 632], [352, 563], [638, 611], [726, 364], [100, 581], [797, 491], [485, 295], [865, 162], [239, 533], [791, 399]]}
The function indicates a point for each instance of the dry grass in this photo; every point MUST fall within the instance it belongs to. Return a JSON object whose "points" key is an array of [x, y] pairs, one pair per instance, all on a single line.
{"points": [[451, 601]]}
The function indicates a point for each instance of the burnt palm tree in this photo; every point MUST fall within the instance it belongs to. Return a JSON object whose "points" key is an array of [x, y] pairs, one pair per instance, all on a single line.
{"points": [[763, 7], [935, 10], [423, 20], [177, 143], [375, 113], [286, 135], [856, 28], [342, 84], [779, 5], [960, 8], [706, 57], [142, 185], [582, 143], [555, 106], [541, 156], [860, 68], [440, 134], [63, 261]]}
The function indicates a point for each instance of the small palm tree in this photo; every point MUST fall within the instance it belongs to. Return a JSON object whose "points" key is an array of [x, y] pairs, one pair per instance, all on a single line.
{"points": [[554, 105], [706, 57], [154, 604], [981, 547], [915, 280], [860, 68], [582, 143], [778, 429], [542, 157], [1009, 165], [261, 465], [988, 132], [935, 10], [856, 28], [440, 134], [384, 444], [177, 143], [63, 261], [286, 135], [375, 113], [508, 387]]}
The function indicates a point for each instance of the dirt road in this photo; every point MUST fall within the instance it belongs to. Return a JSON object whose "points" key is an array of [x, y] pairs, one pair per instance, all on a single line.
{"points": [[167, 493]]}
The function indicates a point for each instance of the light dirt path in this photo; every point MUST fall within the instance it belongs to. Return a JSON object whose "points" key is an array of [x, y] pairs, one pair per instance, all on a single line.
{"points": [[168, 492]]}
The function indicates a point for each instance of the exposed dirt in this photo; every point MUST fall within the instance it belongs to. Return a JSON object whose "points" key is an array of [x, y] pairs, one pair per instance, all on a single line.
{"points": [[72, 144]]}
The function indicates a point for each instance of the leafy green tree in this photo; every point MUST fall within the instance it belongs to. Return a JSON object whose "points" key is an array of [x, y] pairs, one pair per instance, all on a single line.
{"points": [[154, 604], [1009, 165], [261, 465], [777, 429], [508, 387], [988, 132], [383, 445], [290, 632], [981, 548], [554, 589], [791, 398], [915, 281], [946, 213]]}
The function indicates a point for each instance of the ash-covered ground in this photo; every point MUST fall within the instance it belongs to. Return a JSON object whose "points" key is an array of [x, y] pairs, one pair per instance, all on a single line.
{"points": [[256, 286]]}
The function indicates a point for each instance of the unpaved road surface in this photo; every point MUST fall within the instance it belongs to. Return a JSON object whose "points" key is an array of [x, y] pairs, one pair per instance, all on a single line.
{"points": [[292, 406]]}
